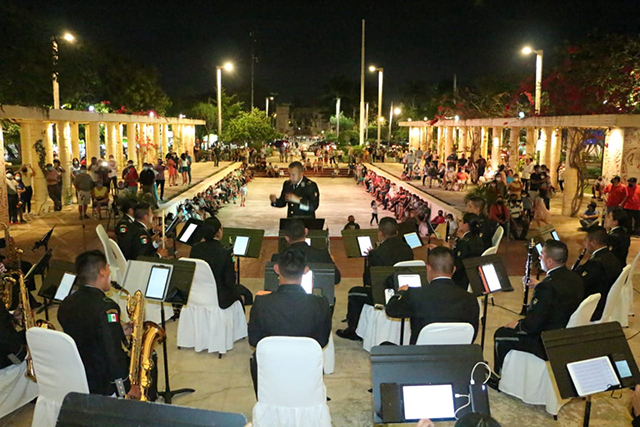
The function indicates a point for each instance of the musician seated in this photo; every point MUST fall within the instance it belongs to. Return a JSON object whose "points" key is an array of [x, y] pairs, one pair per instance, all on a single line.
{"points": [[143, 241], [93, 321], [554, 300], [13, 344], [601, 270], [617, 223], [468, 245], [438, 301]]}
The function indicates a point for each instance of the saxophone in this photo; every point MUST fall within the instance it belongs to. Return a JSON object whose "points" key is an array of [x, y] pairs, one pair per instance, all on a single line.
{"points": [[144, 337]]}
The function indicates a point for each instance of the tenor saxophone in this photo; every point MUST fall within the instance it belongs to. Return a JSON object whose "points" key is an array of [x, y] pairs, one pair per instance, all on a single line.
{"points": [[144, 337]]}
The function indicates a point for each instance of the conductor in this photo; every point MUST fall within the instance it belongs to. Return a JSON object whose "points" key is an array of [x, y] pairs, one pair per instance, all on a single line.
{"points": [[299, 194]]}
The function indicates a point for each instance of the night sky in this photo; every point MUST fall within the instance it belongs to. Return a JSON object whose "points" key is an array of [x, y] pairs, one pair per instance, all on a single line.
{"points": [[301, 44]]}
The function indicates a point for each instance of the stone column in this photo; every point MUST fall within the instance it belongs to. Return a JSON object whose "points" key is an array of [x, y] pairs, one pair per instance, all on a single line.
{"points": [[132, 145], [38, 132], [514, 143], [75, 140], [440, 143], [570, 177], [177, 139], [484, 148], [26, 143], [414, 137], [120, 158], [64, 154], [4, 204], [464, 139], [612, 157], [495, 147], [554, 145], [111, 140], [92, 135], [48, 142], [531, 143], [545, 153], [448, 142], [429, 138], [165, 140]]}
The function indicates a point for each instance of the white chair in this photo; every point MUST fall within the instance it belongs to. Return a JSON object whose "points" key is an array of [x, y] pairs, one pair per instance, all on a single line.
{"points": [[582, 316], [117, 275], [615, 309], [442, 333], [15, 389], [59, 370], [490, 251], [329, 357], [411, 263], [628, 295], [497, 237], [291, 391], [203, 325]]}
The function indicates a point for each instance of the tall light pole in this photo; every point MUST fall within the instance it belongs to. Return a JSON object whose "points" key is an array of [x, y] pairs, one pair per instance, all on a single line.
{"points": [[366, 120], [267, 104], [380, 71], [337, 118], [392, 111], [228, 67], [68, 37], [527, 51]]}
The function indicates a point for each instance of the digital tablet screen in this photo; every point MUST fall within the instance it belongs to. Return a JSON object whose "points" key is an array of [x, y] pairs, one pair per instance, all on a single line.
{"points": [[188, 232], [413, 240], [411, 280], [555, 236], [623, 369], [364, 243], [65, 286], [158, 281], [539, 248], [428, 401], [240, 245], [307, 282], [593, 375], [308, 240], [490, 278]]}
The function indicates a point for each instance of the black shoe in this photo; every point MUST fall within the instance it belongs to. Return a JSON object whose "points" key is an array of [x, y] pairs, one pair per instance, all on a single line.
{"points": [[494, 382], [348, 334]]}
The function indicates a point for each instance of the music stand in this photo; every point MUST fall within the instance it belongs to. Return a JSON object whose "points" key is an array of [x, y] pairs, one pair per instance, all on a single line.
{"points": [[40, 267], [171, 232], [94, 410], [252, 249], [433, 364], [486, 275], [309, 223], [564, 346], [350, 240], [192, 232], [177, 292], [323, 279], [44, 241], [55, 274], [317, 239]]}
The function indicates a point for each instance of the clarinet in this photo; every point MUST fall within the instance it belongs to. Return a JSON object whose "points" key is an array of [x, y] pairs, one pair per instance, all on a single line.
{"points": [[577, 263], [527, 275]]}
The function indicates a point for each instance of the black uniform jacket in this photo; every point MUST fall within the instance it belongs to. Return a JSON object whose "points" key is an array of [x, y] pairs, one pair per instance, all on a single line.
{"points": [[391, 251], [598, 274], [438, 301], [469, 246], [221, 263], [488, 228], [93, 321], [123, 235], [313, 255], [290, 312], [308, 191], [141, 241], [619, 242], [12, 342]]}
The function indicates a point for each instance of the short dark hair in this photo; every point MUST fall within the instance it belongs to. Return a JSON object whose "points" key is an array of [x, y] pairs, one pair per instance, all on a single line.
{"points": [[141, 209], [211, 227], [388, 226], [473, 220], [620, 216], [478, 202], [129, 204], [441, 259], [557, 250], [597, 234], [296, 165], [88, 266], [292, 263], [615, 178], [295, 229]]}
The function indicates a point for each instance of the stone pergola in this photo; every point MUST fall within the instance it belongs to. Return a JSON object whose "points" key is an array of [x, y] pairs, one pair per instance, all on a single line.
{"points": [[149, 134], [544, 137]]}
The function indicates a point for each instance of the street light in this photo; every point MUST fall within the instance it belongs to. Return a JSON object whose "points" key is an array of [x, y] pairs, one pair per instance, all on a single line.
{"points": [[337, 118], [392, 111], [68, 37], [227, 67], [527, 51], [267, 106], [380, 71]]}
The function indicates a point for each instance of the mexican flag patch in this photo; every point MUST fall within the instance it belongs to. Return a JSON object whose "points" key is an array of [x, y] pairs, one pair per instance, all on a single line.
{"points": [[112, 317], [123, 229], [144, 240]]}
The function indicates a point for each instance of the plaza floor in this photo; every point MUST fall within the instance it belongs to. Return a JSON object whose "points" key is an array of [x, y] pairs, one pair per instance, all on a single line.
{"points": [[225, 384]]}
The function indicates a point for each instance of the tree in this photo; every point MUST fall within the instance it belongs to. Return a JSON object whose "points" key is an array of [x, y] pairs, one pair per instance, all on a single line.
{"points": [[346, 123], [208, 111], [253, 127]]}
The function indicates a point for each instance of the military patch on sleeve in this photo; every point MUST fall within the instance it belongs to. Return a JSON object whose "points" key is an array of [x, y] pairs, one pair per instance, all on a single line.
{"points": [[535, 301], [144, 239], [112, 317], [123, 229], [584, 273], [459, 253]]}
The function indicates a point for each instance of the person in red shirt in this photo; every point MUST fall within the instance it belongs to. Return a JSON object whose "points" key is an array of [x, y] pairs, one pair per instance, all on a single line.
{"points": [[631, 204], [499, 212], [615, 193]]}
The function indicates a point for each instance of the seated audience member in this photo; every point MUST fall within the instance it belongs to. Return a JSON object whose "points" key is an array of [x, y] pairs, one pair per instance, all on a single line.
{"points": [[453, 225], [601, 269], [438, 301], [221, 262], [619, 239], [351, 224], [499, 212], [517, 218], [100, 197], [554, 300], [13, 344], [438, 219], [295, 235], [590, 216], [289, 311], [392, 249]]}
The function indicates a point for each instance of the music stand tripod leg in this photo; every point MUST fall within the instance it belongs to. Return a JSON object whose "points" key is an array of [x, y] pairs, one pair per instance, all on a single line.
{"points": [[484, 321], [168, 394], [587, 412]]}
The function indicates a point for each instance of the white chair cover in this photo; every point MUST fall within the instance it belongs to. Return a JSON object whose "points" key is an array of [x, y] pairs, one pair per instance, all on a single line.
{"points": [[59, 370], [117, 260], [628, 295], [291, 392], [203, 325], [15, 389], [582, 315], [442, 333], [329, 357], [375, 327], [490, 251], [615, 309], [116, 274], [497, 237], [411, 263]]}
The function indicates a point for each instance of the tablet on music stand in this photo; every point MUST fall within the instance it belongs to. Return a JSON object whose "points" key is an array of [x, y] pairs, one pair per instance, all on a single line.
{"points": [[593, 376], [190, 234], [487, 274], [240, 245], [365, 245], [172, 225], [158, 282], [554, 234], [433, 401], [64, 289], [539, 248], [408, 279], [307, 282], [413, 240], [489, 277]]}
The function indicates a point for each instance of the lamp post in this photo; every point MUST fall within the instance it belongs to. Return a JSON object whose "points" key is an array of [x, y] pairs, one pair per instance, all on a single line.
{"points": [[68, 37], [228, 67], [267, 104], [527, 51], [392, 111], [337, 118], [380, 71]]}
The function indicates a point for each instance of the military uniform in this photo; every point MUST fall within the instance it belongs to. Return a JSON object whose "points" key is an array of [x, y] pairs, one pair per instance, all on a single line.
{"points": [[123, 237], [308, 191], [13, 344], [554, 300], [469, 246], [598, 274], [93, 321], [141, 241], [619, 241], [488, 228]]}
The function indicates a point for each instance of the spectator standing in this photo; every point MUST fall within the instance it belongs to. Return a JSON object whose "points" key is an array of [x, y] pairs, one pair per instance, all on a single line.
{"points": [[52, 176], [614, 193], [12, 196], [631, 204], [243, 194], [527, 170], [160, 168], [27, 178], [481, 165], [130, 177], [184, 168], [374, 212], [147, 179], [189, 161], [20, 189], [173, 170], [92, 169], [113, 174], [534, 182], [83, 184], [545, 188], [561, 170]]}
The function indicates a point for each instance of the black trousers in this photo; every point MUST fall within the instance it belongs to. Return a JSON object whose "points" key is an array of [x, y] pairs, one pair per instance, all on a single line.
{"points": [[519, 222], [12, 200], [26, 198], [358, 297], [160, 184], [634, 220], [373, 216], [525, 182], [507, 339]]}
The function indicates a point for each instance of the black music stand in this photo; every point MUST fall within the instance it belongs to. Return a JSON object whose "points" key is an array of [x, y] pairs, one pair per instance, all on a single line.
{"points": [[196, 229], [94, 410], [177, 293], [44, 241], [350, 240], [316, 238], [309, 223], [481, 286], [171, 232], [253, 249], [323, 279], [51, 282], [434, 364], [569, 345]]}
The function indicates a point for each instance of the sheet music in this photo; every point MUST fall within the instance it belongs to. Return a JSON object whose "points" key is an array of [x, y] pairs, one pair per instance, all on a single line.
{"points": [[593, 375]]}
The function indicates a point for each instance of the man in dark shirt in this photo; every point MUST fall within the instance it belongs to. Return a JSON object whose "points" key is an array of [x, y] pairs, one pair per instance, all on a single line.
{"points": [[616, 223], [601, 269], [438, 301], [147, 178], [535, 180], [299, 194], [289, 311], [142, 239], [93, 321], [486, 226], [468, 245], [351, 224], [123, 228], [391, 250], [220, 261], [554, 300]]}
